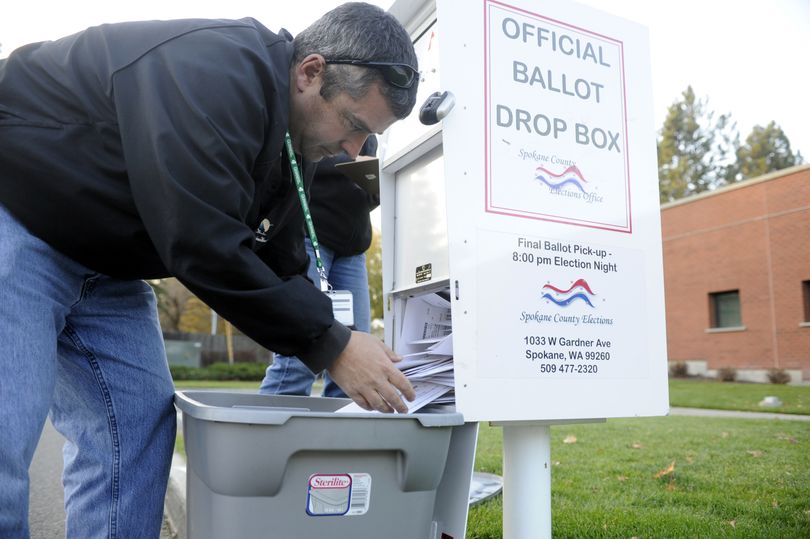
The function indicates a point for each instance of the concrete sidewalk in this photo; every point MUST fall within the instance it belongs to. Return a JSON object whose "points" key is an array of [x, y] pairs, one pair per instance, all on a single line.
{"points": [[174, 509], [735, 414]]}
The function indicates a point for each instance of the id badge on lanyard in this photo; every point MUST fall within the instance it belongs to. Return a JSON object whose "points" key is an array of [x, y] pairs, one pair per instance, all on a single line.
{"points": [[342, 306], [342, 300]]}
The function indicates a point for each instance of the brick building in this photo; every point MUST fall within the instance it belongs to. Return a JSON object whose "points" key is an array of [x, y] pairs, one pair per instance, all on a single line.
{"points": [[737, 277]]}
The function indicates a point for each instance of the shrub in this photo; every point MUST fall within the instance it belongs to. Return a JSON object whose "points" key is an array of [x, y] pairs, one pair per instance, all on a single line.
{"points": [[181, 372], [727, 374], [679, 369], [238, 371], [220, 371], [778, 376]]}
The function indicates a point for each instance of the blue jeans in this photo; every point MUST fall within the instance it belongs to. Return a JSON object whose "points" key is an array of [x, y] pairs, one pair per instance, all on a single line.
{"points": [[87, 349], [287, 375]]}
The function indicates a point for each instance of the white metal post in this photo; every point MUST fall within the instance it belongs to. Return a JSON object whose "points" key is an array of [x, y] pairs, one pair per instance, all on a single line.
{"points": [[526, 481]]}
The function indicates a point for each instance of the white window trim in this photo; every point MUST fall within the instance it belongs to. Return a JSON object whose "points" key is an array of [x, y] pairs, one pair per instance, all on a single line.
{"points": [[731, 329]]}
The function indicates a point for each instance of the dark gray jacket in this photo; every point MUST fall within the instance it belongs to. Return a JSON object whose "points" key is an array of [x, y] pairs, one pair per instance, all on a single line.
{"points": [[150, 149]]}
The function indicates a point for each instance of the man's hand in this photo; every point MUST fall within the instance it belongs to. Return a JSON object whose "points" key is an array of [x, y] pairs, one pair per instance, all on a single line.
{"points": [[365, 372]]}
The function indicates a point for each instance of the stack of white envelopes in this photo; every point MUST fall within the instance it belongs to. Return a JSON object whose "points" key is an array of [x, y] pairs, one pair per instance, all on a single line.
{"points": [[426, 346]]}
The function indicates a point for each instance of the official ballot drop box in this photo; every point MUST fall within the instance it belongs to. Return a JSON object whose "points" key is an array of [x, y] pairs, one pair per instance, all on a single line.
{"points": [[532, 205]]}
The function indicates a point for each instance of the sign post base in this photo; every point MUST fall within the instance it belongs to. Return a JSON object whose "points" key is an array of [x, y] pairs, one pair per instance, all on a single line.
{"points": [[526, 481], [527, 476]]}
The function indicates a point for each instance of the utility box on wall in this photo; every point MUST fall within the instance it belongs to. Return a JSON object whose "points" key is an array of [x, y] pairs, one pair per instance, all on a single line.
{"points": [[533, 206]]}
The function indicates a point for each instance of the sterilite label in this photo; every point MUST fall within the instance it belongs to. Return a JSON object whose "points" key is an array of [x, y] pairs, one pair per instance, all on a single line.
{"points": [[338, 494], [567, 309]]}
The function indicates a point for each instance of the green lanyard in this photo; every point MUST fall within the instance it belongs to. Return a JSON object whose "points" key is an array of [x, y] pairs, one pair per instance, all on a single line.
{"points": [[302, 196]]}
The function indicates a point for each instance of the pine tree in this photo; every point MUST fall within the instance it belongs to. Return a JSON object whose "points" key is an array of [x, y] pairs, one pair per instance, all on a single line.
{"points": [[694, 148], [765, 150]]}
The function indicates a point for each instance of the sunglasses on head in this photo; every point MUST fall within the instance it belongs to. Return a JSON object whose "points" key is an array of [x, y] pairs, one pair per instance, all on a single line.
{"points": [[394, 73]]}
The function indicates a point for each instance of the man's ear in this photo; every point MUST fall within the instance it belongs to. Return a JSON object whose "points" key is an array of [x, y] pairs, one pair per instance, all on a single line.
{"points": [[309, 71]]}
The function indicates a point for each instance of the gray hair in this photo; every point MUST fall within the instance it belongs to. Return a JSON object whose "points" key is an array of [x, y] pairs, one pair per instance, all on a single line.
{"points": [[359, 31]]}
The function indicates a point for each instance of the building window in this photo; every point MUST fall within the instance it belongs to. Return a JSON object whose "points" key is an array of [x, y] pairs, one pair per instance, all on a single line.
{"points": [[806, 294], [725, 309]]}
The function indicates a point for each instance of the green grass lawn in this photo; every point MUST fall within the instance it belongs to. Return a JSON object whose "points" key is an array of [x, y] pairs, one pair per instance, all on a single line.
{"points": [[695, 393], [669, 477], [215, 384], [672, 477]]}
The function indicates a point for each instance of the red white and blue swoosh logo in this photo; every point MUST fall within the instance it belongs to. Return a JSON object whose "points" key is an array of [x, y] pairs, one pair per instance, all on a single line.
{"points": [[570, 178], [579, 291]]}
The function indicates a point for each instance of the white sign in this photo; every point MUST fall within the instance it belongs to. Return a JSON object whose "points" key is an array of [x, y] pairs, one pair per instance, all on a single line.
{"points": [[552, 209], [556, 125], [577, 315]]}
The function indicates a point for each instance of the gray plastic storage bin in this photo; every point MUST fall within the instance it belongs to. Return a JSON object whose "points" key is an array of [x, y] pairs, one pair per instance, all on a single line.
{"points": [[290, 468]]}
